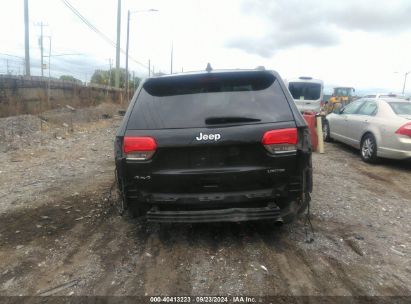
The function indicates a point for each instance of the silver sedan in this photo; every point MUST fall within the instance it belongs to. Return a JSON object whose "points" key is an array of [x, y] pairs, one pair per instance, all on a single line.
{"points": [[378, 127]]}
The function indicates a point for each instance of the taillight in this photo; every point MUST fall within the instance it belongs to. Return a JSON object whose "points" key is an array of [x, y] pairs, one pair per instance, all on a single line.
{"points": [[405, 130], [139, 148], [280, 141]]}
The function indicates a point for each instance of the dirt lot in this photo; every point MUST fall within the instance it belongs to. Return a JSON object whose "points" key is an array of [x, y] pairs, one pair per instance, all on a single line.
{"points": [[60, 234]]}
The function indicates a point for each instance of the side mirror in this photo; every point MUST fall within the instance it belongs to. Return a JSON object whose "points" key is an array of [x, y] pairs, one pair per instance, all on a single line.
{"points": [[341, 110]]}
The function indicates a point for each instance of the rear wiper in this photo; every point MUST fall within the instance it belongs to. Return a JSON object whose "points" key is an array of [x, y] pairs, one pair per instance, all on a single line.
{"points": [[229, 119]]}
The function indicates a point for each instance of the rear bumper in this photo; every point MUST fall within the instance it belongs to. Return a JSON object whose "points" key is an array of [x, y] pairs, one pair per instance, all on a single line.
{"points": [[221, 215], [265, 204], [398, 147], [394, 153], [276, 198]]}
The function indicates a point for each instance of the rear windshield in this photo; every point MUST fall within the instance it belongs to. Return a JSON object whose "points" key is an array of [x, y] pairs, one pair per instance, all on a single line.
{"points": [[305, 90], [212, 99], [401, 108]]}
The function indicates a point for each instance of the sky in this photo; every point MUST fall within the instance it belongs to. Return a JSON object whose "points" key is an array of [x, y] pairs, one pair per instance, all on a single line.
{"points": [[361, 43]]}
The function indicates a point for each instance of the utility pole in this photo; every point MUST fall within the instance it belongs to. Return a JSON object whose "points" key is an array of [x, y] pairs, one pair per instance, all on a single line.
{"points": [[117, 78], [49, 67], [171, 65], [127, 46], [405, 81], [26, 37], [149, 71], [41, 48]]}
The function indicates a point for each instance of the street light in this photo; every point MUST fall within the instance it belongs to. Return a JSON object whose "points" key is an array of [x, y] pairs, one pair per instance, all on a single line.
{"points": [[128, 39]]}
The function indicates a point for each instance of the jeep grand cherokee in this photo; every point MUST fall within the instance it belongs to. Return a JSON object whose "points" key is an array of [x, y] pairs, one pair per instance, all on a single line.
{"points": [[214, 146]]}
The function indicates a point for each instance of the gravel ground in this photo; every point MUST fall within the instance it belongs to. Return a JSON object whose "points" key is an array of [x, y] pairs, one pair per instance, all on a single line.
{"points": [[60, 234], [54, 157]]}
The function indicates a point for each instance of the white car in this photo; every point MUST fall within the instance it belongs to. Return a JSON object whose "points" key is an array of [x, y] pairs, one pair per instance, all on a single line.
{"points": [[307, 93], [379, 127], [385, 95]]}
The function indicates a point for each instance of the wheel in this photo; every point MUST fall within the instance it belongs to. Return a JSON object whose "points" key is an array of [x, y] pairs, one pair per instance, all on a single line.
{"points": [[123, 204], [369, 149], [326, 131]]}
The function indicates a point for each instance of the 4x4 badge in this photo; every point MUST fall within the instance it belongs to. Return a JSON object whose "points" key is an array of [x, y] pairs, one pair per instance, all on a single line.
{"points": [[214, 137]]}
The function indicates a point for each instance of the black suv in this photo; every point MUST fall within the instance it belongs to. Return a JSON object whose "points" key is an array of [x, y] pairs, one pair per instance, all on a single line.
{"points": [[214, 146]]}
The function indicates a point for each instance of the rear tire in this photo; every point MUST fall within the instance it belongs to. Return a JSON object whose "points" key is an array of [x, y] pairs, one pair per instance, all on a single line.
{"points": [[326, 131], [368, 149], [123, 204], [120, 202]]}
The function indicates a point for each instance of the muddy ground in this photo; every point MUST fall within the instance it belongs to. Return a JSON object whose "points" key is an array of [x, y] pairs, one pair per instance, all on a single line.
{"points": [[60, 234]]}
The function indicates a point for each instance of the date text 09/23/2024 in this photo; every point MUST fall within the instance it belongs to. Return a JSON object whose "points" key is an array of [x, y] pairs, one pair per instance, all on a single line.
{"points": [[203, 299]]}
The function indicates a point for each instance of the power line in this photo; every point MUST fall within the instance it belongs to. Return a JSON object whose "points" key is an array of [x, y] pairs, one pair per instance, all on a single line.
{"points": [[91, 26], [97, 31]]}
